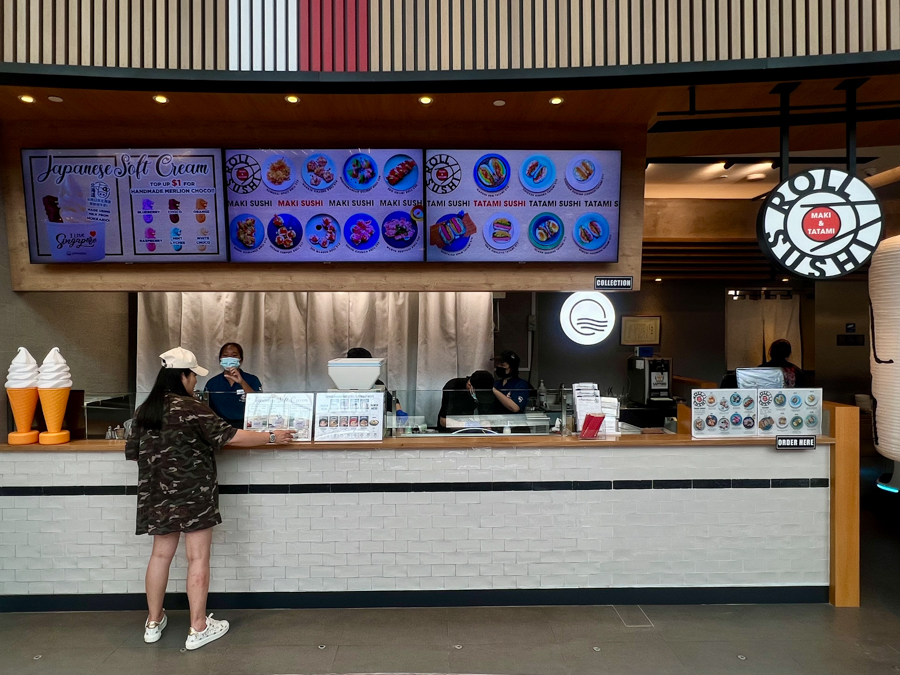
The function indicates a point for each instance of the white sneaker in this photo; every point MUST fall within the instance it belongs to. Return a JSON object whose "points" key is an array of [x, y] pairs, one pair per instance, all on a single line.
{"points": [[214, 630], [153, 629]]}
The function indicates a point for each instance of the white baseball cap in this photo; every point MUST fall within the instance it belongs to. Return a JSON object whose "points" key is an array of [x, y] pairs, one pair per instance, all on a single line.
{"points": [[179, 357]]}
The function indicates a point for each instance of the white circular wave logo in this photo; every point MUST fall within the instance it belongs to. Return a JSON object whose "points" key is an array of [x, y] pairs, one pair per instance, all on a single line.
{"points": [[587, 318]]}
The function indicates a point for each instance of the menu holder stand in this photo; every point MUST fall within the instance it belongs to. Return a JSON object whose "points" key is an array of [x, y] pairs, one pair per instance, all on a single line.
{"points": [[592, 426]]}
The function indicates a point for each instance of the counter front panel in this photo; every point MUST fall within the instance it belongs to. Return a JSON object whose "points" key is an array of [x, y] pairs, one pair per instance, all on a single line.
{"points": [[673, 518]]}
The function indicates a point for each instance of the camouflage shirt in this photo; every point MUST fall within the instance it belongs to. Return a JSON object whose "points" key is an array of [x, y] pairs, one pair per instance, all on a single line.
{"points": [[177, 486]]}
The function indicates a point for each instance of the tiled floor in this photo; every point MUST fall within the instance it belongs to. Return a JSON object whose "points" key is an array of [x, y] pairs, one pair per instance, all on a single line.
{"points": [[719, 640]]}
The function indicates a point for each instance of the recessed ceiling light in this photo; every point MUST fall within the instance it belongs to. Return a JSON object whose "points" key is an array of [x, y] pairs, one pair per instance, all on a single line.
{"points": [[291, 98], [499, 103], [426, 100], [657, 279], [785, 279], [724, 175], [159, 98], [556, 100], [55, 99], [734, 297], [756, 176], [25, 98]]}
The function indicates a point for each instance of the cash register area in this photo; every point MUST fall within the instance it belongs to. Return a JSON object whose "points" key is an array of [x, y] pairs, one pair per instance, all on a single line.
{"points": [[565, 502]]}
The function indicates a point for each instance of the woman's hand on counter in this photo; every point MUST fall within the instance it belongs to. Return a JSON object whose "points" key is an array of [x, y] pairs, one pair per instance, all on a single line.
{"points": [[255, 439]]}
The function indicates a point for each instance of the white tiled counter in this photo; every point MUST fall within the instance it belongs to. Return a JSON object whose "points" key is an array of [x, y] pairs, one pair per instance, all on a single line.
{"points": [[658, 517]]}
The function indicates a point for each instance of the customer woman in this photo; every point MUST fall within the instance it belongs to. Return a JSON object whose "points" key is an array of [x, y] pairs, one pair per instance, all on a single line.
{"points": [[173, 439], [779, 351], [228, 390]]}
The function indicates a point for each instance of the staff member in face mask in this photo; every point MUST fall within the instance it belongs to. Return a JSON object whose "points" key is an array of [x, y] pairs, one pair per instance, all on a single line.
{"points": [[466, 396], [227, 390], [510, 390]]}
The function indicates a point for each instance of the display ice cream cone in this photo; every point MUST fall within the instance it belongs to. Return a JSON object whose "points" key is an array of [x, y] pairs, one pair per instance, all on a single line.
{"points": [[53, 403], [23, 403]]}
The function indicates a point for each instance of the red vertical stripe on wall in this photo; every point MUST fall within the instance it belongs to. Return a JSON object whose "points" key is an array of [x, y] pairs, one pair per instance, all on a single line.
{"points": [[316, 37], [352, 36], [303, 34], [327, 36], [362, 24], [339, 28]]}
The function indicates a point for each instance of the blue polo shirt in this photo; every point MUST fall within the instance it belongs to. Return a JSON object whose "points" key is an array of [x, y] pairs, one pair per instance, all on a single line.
{"points": [[225, 400], [517, 389]]}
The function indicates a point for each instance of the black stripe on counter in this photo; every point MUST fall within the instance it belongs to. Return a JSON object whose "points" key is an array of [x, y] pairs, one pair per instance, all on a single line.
{"points": [[698, 595], [504, 486]]}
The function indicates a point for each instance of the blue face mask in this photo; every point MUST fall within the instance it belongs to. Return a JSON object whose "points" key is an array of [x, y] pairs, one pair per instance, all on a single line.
{"points": [[229, 362]]}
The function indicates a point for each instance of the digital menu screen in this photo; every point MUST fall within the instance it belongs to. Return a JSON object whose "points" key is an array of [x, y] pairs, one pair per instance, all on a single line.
{"points": [[162, 205], [325, 205], [522, 205]]}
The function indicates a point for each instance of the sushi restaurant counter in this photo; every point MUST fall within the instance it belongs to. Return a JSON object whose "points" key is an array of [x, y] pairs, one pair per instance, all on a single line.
{"points": [[449, 520]]}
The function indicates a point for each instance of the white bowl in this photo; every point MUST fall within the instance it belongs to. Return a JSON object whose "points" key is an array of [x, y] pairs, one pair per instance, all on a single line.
{"points": [[354, 373]]}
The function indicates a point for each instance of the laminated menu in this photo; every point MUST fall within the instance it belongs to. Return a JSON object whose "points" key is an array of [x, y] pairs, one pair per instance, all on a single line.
{"points": [[325, 205], [349, 416], [270, 412], [522, 205], [723, 413], [162, 205], [790, 412]]}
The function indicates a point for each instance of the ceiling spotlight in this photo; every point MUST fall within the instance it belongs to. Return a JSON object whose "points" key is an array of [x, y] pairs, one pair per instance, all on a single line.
{"points": [[159, 98], [756, 176], [734, 297], [774, 165], [724, 175], [291, 98], [727, 165], [657, 279], [731, 292], [556, 100], [25, 98], [426, 100], [785, 279], [499, 103], [55, 99]]}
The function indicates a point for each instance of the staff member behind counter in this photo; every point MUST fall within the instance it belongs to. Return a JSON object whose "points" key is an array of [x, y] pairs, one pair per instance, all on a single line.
{"points": [[510, 390], [466, 396], [227, 390]]}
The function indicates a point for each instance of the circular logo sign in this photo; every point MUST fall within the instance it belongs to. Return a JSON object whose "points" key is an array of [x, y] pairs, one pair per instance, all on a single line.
{"points": [[820, 224], [442, 174], [587, 318], [243, 174]]}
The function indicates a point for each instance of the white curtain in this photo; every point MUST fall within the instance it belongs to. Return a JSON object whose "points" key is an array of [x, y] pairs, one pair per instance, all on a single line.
{"points": [[288, 338], [752, 325]]}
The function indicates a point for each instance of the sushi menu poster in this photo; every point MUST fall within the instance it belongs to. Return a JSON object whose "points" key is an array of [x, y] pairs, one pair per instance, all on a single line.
{"points": [[522, 205], [325, 205], [162, 205], [269, 412], [786, 412], [349, 416], [723, 413]]}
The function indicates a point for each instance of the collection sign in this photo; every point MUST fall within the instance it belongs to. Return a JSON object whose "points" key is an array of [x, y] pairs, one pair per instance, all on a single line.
{"points": [[820, 224]]}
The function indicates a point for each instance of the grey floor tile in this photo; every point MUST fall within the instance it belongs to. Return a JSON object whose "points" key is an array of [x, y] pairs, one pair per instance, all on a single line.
{"points": [[51, 661], [515, 659], [844, 657], [500, 625], [404, 626], [311, 627], [148, 661], [633, 616], [760, 657], [391, 659], [268, 660], [596, 622], [652, 656]]}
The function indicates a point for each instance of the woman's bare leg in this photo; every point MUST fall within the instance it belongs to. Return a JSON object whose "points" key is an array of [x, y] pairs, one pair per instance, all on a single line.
{"points": [[197, 545], [157, 578]]}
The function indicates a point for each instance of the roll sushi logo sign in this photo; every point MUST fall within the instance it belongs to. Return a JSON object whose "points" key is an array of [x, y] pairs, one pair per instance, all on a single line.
{"points": [[587, 318], [820, 224]]}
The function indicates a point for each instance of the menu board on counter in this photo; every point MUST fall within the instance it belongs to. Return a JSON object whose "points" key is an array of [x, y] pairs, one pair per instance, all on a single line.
{"points": [[522, 205], [790, 412], [163, 205], [325, 205], [268, 412], [723, 413], [349, 416]]}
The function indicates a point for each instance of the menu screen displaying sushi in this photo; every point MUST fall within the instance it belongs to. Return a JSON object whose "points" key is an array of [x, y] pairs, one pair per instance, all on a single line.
{"points": [[325, 205], [522, 205], [161, 205]]}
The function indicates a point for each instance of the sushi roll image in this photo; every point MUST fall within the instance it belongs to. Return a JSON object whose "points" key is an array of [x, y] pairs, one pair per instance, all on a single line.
{"points": [[502, 224], [552, 227], [540, 175], [498, 170], [484, 174], [532, 168], [446, 233], [585, 235], [596, 230], [500, 235], [457, 225]]}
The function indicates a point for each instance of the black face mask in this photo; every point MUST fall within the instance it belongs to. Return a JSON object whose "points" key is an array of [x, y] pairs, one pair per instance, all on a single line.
{"points": [[501, 372]]}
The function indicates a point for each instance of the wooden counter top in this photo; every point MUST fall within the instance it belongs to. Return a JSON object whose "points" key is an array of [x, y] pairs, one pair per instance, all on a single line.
{"points": [[429, 442]]}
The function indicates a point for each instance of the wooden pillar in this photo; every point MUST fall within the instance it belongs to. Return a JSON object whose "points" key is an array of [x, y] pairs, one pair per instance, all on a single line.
{"points": [[844, 577]]}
